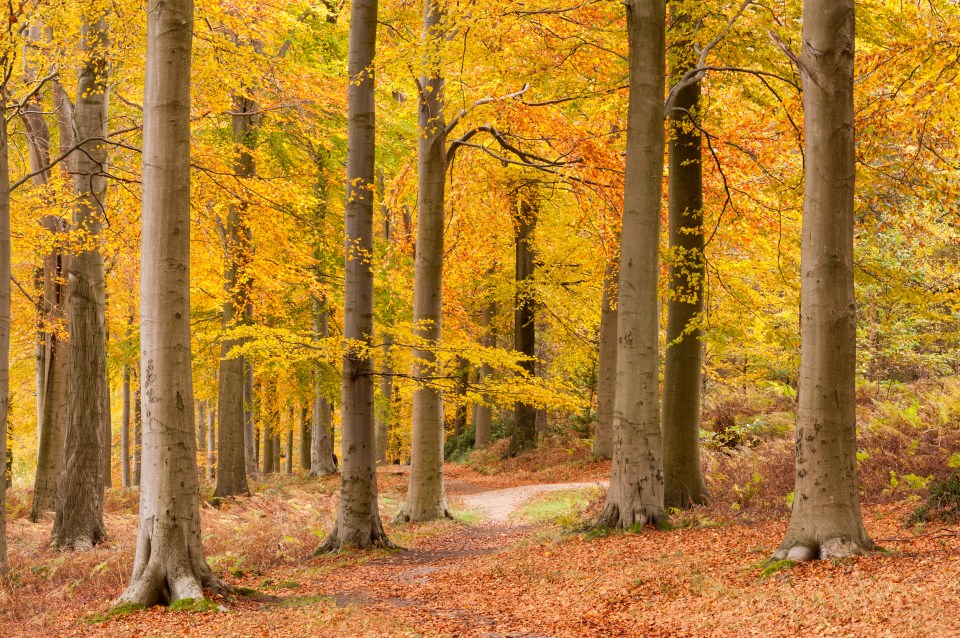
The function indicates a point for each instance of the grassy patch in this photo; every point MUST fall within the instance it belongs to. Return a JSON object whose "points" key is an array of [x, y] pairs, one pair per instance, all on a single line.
{"points": [[196, 605], [303, 601], [564, 508]]}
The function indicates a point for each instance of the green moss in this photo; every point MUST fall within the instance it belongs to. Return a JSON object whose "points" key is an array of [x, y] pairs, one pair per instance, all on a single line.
{"points": [[197, 605], [303, 601], [113, 612], [774, 566]]}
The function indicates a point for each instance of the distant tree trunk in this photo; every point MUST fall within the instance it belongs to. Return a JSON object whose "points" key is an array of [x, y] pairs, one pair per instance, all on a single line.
{"points": [[524, 435], [463, 387], [481, 413], [288, 462], [250, 445], [212, 467], [125, 478], [358, 517], [202, 432], [5, 274], [53, 350], [426, 498], [607, 368], [79, 520], [826, 521], [266, 459], [305, 440], [384, 413], [169, 563], [232, 453], [321, 449], [682, 375], [635, 496], [277, 451]]}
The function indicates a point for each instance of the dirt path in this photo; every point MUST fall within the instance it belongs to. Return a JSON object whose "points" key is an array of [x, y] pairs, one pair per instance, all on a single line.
{"points": [[497, 505]]}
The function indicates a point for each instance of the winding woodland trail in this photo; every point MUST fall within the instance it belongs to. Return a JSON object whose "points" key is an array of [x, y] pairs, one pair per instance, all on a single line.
{"points": [[497, 505]]}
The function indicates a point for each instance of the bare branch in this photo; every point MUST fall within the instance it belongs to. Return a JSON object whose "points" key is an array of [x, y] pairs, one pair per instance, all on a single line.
{"points": [[487, 100]]}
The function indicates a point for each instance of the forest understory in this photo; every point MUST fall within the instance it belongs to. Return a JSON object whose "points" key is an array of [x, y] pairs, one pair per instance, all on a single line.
{"points": [[538, 571]]}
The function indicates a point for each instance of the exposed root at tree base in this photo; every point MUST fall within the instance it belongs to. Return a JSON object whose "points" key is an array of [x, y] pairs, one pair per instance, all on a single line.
{"points": [[830, 548], [614, 517], [403, 517], [335, 543]]}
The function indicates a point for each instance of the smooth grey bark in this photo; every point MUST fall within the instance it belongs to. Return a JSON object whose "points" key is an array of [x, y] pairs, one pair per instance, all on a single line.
{"points": [[5, 275], [826, 520], [52, 349], [384, 413], [321, 437], [426, 498], [635, 496], [288, 461], [683, 480], [305, 440], [249, 428], [169, 563], [79, 520], [524, 434], [358, 517], [606, 368], [137, 433], [482, 411], [462, 387], [125, 478], [212, 467], [232, 450]]}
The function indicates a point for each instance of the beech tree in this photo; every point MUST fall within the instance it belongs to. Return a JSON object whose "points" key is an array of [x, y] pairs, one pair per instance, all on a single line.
{"points": [[606, 368], [635, 496], [426, 498], [482, 412], [79, 521], [682, 374], [169, 563], [826, 521], [524, 433], [358, 515], [5, 275]]}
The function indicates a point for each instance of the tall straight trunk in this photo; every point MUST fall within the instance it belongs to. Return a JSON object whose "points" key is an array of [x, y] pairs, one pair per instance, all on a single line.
{"points": [[52, 350], [277, 452], [635, 496], [463, 387], [305, 439], [202, 430], [482, 412], [79, 520], [385, 407], [137, 434], [232, 453], [321, 443], [358, 516], [826, 520], [250, 448], [125, 429], [212, 467], [5, 274], [169, 563], [682, 373], [267, 457], [426, 498], [607, 368], [288, 462], [524, 435]]}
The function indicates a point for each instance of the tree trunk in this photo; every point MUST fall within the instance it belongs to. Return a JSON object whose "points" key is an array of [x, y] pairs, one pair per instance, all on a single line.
{"points": [[288, 462], [137, 433], [202, 430], [826, 521], [321, 449], [212, 467], [232, 452], [250, 446], [52, 350], [305, 440], [169, 563], [267, 456], [426, 498], [385, 408], [358, 517], [5, 274], [635, 496], [683, 482], [524, 435], [482, 412], [79, 520], [125, 429], [607, 365], [463, 387]]}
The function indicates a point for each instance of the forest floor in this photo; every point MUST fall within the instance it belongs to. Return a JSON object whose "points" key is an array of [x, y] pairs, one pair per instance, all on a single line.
{"points": [[514, 563]]}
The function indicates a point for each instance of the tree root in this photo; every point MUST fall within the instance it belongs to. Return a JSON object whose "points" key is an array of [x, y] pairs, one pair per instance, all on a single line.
{"points": [[827, 549]]}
